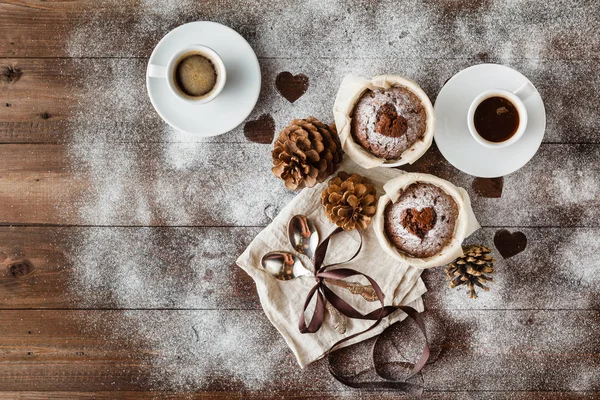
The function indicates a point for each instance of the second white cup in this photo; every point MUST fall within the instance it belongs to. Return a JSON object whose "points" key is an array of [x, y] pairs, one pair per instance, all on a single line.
{"points": [[516, 98]]}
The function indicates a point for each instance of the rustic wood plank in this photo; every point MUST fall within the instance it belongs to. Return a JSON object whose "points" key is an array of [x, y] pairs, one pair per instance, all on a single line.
{"points": [[207, 184], [122, 395], [105, 100], [117, 163], [220, 350], [194, 268], [517, 349], [530, 196], [183, 184], [479, 395], [322, 29], [125, 268], [555, 271]]}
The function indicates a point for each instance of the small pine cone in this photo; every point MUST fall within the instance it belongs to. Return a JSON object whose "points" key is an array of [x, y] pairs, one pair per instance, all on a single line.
{"points": [[470, 268], [305, 153], [350, 202]]}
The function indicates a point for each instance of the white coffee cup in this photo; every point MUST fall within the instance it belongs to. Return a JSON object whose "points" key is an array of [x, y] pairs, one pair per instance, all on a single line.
{"points": [[168, 73], [516, 98]]}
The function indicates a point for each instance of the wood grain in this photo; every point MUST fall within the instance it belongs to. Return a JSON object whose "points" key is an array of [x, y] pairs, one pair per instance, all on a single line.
{"points": [[325, 395], [125, 284], [123, 395], [182, 269], [48, 350], [430, 29], [58, 184], [104, 100]]}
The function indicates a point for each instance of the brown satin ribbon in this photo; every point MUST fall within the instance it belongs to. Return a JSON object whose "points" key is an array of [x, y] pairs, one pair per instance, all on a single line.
{"points": [[321, 291]]}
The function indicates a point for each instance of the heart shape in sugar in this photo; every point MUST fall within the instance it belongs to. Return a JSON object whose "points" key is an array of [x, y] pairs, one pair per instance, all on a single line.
{"points": [[509, 244], [418, 222], [260, 130], [292, 87]]}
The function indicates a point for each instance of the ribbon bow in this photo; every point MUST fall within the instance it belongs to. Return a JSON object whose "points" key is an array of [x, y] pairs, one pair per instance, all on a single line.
{"points": [[321, 291]]}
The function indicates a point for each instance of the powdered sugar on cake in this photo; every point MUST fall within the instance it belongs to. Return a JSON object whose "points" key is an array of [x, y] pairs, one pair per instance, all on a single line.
{"points": [[419, 196], [367, 113]]}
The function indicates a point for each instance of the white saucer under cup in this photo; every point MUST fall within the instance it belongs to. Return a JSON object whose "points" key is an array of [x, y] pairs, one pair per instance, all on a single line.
{"points": [[233, 105], [452, 134]]}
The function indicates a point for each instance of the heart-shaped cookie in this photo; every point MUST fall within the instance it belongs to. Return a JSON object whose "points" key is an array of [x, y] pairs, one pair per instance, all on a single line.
{"points": [[292, 87], [488, 187], [260, 130], [418, 222], [510, 244]]}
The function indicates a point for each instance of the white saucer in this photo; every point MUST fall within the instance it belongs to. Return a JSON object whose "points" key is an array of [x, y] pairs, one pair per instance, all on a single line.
{"points": [[452, 135], [242, 87]]}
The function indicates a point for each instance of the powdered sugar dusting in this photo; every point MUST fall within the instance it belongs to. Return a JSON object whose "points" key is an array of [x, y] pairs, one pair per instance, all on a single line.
{"points": [[577, 259], [202, 348], [123, 267], [209, 350], [574, 185], [109, 197], [516, 349], [145, 22], [141, 172], [177, 183], [146, 173], [367, 113], [417, 197], [364, 29], [555, 271]]}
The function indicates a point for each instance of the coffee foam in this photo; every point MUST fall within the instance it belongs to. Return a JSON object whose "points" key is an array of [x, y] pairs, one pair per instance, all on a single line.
{"points": [[195, 74]]}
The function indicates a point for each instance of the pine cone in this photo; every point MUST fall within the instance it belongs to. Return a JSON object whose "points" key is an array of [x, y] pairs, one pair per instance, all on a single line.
{"points": [[350, 202], [470, 269], [305, 153]]}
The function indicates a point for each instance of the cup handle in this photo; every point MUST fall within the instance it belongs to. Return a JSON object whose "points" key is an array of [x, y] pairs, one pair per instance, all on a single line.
{"points": [[157, 71], [525, 90]]}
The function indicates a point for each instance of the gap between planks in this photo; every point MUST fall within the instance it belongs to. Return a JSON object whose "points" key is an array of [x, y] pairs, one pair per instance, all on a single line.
{"points": [[42, 225]]}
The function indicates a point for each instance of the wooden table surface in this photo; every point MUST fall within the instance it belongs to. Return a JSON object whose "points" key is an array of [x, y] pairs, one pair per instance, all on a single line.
{"points": [[119, 235]]}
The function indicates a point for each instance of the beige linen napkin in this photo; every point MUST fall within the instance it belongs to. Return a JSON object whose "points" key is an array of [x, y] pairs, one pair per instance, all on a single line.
{"points": [[283, 301]]}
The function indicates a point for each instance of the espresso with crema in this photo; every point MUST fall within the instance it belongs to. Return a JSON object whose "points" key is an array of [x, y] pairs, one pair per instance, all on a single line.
{"points": [[195, 75]]}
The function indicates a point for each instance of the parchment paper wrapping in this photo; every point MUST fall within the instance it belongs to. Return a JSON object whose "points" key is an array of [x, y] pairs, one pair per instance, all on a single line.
{"points": [[282, 301], [466, 222], [351, 88]]}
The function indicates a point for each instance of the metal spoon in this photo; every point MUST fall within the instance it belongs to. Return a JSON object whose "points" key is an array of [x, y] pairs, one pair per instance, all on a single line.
{"points": [[303, 236], [285, 266]]}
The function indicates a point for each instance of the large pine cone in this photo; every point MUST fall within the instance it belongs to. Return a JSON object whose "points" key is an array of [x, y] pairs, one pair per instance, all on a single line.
{"points": [[470, 268], [350, 202], [306, 152]]}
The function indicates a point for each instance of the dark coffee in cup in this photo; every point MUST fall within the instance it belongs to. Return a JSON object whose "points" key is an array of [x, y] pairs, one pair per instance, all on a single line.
{"points": [[496, 119], [195, 75]]}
